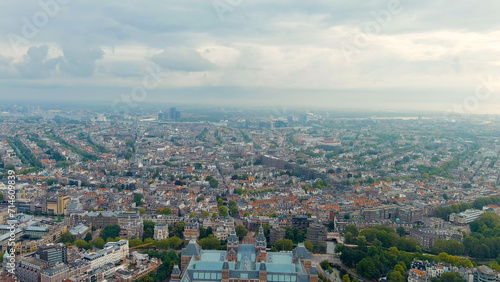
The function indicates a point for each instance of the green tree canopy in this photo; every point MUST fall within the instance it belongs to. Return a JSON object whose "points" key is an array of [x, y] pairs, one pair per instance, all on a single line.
{"points": [[110, 231], [210, 243], [284, 245], [241, 231], [88, 237], [223, 211], [67, 237], [83, 245], [99, 243]]}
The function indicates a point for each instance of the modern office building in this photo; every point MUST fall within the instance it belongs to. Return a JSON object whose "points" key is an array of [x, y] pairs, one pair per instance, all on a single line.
{"points": [[300, 222], [272, 161], [485, 274], [410, 214], [382, 212], [57, 205], [73, 206], [174, 113], [53, 254], [466, 216], [112, 253], [275, 234], [317, 234]]}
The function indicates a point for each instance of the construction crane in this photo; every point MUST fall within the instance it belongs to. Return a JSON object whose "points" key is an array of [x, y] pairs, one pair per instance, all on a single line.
{"points": [[143, 245]]}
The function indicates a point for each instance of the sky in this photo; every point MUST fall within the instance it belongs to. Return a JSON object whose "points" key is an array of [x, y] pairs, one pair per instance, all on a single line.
{"points": [[373, 55]]}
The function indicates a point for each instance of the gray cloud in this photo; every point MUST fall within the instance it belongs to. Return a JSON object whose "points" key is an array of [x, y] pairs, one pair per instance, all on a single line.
{"points": [[182, 59], [5, 61], [431, 46], [36, 64], [80, 61]]}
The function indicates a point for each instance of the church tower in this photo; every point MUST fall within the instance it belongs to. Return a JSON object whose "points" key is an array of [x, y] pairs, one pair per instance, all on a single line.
{"points": [[260, 246]]}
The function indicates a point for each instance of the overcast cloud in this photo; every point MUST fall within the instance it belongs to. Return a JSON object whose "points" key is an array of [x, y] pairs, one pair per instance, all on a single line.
{"points": [[424, 55]]}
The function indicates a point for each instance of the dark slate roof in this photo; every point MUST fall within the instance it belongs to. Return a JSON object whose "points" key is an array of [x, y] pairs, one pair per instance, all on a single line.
{"points": [[176, 270], [261, 239], [313, 271], [301, 252]]}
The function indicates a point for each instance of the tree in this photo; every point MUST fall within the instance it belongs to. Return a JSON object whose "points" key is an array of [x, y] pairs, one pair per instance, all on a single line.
{"points": [[353, 229], [128, 155], [178, 229], [209, 243], [213, 183], [142, 210], [149, 227], [396, 276], [349, 238], [452, 247], [309, 245], [67, 237], [88, 237], [135, 242], [449, 277], [331, 226], [205, 214], [241, 231], [174, 242], [147, 278], [99, 243], [223, 211], [362, 243], [325, 264], [233, 210], [138, 199], [401, 231], [83, 245], [192, 215], [367, 268], [9, 167], [165, 211], [110, 231], [346, 278]]}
